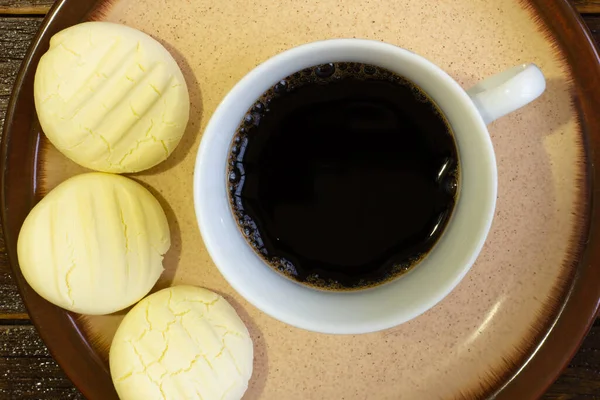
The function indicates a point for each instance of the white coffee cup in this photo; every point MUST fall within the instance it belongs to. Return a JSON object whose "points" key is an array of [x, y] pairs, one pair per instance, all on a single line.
{"points": [[426, 284]]}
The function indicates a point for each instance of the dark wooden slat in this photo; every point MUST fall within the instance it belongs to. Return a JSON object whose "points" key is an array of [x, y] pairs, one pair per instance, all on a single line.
{"points": [[15, 36], [593, 23], [27, 369], [22, 7], [11, 306], [587, 6], [582, 379]]}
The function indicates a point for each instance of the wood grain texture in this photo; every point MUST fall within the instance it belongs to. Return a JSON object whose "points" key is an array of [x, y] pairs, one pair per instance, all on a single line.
{"points": [[15, 36], [582, 379], [25, 7], [27, 371], [587, 6], [593, 23]]}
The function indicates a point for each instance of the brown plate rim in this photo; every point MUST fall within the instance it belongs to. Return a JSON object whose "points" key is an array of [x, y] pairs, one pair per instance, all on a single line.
{"points": [[566, 332], [58, 329]]}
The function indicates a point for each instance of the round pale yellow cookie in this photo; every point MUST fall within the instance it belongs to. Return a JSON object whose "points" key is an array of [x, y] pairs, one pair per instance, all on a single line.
{"points": [[110, 97], [183, 342], [94, 244]]}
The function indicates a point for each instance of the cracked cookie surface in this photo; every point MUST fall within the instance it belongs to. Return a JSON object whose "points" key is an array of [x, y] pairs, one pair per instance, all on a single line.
{"points": [[110, 97], [94, 244], [182, 342]]}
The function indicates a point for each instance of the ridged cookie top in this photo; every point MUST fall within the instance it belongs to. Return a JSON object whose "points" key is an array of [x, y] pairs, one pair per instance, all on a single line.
{"points": [[110, 97], [94, 244]]}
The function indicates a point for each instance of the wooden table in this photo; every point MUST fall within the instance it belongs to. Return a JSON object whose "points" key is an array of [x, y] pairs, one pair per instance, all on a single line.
{"points": [[27, 370]]}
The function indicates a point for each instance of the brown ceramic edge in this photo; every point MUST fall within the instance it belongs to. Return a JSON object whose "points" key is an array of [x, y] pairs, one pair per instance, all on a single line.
{"points": [[56, 327], [558, 345]]}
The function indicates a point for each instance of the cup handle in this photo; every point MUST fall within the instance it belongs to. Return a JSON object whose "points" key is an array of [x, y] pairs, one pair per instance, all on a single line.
{"points": [[507, 91]]}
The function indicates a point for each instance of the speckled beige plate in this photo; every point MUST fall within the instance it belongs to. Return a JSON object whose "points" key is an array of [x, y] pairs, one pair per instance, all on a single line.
{"points": [[516, 318]]}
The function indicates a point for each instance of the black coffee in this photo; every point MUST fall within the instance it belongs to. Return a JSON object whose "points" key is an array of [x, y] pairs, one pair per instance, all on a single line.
{"points": [[343, 176]]}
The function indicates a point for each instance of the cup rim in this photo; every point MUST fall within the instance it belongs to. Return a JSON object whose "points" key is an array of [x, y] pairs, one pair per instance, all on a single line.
{"points": [[201, 185]]}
